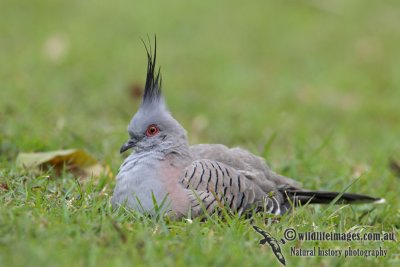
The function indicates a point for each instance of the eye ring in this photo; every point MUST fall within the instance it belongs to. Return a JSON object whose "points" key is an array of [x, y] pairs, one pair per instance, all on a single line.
{"points": [[152, 130]]}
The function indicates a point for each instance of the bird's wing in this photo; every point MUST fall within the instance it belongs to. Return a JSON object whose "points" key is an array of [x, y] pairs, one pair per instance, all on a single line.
{"points": [[211, 184], [252, 167]]}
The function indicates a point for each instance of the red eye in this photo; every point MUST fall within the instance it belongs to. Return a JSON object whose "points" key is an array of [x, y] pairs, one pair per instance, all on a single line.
{"points": [[152, 130]]}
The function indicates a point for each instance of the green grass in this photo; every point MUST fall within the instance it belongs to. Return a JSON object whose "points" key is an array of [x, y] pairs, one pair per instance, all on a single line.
{"points": [[313, 86]]}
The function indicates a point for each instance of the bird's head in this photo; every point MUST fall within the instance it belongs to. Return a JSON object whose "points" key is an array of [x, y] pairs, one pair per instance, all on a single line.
{"points": [[153, 127]]}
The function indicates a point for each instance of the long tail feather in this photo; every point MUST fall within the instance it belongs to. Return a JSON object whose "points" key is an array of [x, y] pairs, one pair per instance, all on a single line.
{"points": [[326, 197]]}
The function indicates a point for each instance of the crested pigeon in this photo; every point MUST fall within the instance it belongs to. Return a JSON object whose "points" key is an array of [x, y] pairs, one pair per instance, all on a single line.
{"points": [[165, 174]]}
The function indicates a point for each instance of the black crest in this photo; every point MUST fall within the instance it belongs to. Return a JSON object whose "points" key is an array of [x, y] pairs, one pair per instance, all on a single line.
{"points": [[152, 90]]}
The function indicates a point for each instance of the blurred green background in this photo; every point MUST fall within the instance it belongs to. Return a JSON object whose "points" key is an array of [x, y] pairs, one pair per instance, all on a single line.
{"points": [[313, 86], [233, 73]]}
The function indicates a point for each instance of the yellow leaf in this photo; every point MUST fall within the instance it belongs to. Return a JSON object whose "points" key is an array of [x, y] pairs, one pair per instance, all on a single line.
{"points": [[77, 161]]}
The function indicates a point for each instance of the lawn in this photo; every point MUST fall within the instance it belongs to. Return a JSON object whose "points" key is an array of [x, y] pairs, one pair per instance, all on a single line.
{"points": [[312, 86]]}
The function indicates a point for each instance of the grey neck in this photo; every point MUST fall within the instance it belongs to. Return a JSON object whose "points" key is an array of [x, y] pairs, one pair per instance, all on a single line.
{"points": [[176, 152]]}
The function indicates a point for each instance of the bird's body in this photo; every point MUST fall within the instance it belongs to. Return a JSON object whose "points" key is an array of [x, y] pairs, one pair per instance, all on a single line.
{"points": [[136, 190], [165, 174]]}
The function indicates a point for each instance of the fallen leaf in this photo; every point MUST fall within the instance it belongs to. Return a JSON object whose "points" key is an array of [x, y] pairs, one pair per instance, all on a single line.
{"points": [[135, 91], [56, 47], [360, 169], [77, 161], [395, 167], [4, 186]]}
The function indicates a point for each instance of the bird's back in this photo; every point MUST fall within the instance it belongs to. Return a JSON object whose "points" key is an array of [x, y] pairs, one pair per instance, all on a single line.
{"points": [[254, 168]]}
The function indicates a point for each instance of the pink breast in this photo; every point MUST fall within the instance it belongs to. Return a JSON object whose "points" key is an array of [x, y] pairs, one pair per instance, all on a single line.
{"points": [[170, 176]]}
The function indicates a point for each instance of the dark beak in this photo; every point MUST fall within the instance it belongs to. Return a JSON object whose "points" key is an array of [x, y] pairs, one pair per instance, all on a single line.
{"points": [[131, 143]]}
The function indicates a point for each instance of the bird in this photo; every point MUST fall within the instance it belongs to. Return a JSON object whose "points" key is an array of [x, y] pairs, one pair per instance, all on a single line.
{"points": [[165, 175]]}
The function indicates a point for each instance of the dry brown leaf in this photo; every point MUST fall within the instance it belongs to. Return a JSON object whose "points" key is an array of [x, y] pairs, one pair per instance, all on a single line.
{"points": [[4, 186], [395, 167], [77, 161]]}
